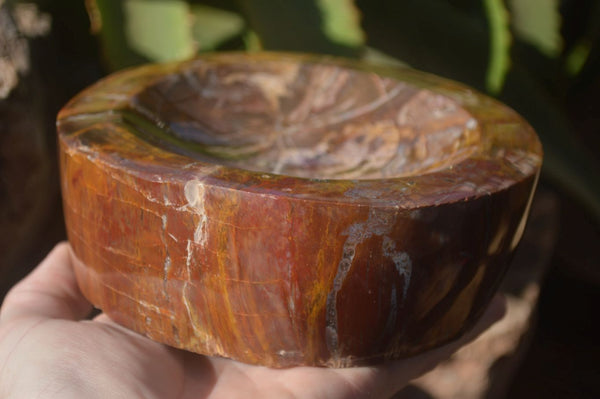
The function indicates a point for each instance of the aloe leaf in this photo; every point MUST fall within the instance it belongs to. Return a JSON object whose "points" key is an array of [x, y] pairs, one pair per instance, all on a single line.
{"points": [[577, 57], [304, 25], [212, 26], [437, 37], [538, 23], [431, 35], [138, 31], [107, 20], [341, 22], [499, 58], [567, 163], [374, 56], [252, 41], [159, 29], [582, 44]]}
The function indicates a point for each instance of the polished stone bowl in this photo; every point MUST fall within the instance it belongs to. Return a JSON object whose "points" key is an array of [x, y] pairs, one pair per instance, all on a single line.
{"points": [[290, 210]]}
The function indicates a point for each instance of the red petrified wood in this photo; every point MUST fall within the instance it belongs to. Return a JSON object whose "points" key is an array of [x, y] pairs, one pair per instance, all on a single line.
{"points": [[290, 210]]}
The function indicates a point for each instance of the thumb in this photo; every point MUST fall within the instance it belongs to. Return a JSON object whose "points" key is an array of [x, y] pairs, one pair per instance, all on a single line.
{"points": [[50, 291]]}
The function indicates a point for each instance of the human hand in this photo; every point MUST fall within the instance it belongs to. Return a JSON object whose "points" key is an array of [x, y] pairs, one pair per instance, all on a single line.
{"points": [[48, 349]]}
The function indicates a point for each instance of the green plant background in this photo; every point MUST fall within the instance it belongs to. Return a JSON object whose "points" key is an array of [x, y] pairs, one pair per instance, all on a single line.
{"points": [[542, 57], [539, 56]]}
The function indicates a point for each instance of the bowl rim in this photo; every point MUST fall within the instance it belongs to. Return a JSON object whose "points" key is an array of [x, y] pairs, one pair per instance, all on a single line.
{"points": [[510, 151]]}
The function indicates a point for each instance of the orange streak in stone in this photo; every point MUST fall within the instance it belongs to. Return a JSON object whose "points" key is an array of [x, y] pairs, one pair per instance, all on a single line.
{"points": [[318, 294]]}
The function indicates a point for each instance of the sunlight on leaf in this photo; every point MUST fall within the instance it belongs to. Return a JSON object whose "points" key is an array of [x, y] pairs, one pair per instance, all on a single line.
{"points": [[107, 21], [577, 57], [159, 29], [341, 22], [212, 26], [431, 35], [94, 15], [500, 40], [374, 56], [298, 25], [538, 22], [252, 41]]}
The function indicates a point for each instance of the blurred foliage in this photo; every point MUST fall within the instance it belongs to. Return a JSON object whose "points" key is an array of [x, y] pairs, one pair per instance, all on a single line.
{"points": [[542, 57], [500, 38], [537, 22]]}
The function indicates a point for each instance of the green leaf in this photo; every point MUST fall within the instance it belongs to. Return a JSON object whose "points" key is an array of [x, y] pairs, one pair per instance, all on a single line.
{"points": [[431, 35], [577, 57], [212, 26], [302, 25], [341, 22], [159, 29], [252, 41], [499, 58], [374, 56], [107, 21], [133, 32], [567, 163], [437, 37], [538, 23]]}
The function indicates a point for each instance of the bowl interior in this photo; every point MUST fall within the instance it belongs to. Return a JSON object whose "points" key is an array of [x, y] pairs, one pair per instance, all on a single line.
{"points": [[307, 120]]}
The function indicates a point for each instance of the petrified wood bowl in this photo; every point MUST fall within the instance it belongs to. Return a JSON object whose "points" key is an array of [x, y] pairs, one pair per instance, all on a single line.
{"points": [[290, 210]]}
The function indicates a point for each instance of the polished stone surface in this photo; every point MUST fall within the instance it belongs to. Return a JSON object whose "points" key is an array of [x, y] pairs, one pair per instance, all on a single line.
{"points": [[290, 210]]}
